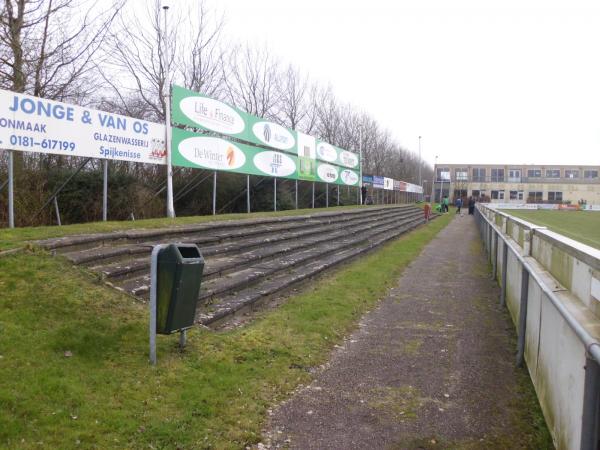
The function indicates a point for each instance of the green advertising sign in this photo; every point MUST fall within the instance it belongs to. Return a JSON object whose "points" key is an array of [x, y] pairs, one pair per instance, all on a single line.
{"points": [[196, 150], [214, 153], [335, 155], [196, 110]]}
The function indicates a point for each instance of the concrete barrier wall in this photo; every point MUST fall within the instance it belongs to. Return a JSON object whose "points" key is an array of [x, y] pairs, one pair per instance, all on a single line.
{"points": [[560, 305]]}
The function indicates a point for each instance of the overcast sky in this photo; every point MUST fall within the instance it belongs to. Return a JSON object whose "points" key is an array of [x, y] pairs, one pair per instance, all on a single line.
{"points": [[511, 81]]}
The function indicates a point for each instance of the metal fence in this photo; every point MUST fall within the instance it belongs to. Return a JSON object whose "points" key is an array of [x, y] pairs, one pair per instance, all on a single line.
{"points": [[549, 284]]}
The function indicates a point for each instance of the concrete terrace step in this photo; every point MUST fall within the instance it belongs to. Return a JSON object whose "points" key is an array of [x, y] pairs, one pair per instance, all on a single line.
{"points": [[255, 274], [243, 265], [227, 305], [246, 260], [245, 250], [82, 242]]}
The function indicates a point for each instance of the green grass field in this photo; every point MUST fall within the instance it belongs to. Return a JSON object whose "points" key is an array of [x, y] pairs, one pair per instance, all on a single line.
{"points": [[582, 226], [74, 356]]}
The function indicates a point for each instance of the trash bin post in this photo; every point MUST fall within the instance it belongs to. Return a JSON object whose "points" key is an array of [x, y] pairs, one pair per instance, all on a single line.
{"points": [[182, 338]]}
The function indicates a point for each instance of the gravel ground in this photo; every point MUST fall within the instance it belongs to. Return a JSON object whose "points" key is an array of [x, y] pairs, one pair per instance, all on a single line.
{"points": [[431, 367]]}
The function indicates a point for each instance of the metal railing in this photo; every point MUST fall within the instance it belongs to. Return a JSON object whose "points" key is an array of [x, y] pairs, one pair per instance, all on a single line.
{"points": [[492, 235]]}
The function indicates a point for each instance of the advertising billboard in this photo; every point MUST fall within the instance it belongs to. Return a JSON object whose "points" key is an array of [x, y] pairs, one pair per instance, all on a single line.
{"points": [[204, 113], [33, 124], [215, 153]]}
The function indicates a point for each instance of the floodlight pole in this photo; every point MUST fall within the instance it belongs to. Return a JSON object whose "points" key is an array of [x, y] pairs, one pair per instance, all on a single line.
{"points": [[170, 205], [360, 180]]}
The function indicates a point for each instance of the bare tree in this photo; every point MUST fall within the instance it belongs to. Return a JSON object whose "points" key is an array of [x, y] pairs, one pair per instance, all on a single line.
{"points": [[42, 56], [136, 53], [293, 104], [200, 55], [252, 81], [328, 111]]}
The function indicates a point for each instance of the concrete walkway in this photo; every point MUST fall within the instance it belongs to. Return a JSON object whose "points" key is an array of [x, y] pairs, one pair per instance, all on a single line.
{"points": [[431, 367]]}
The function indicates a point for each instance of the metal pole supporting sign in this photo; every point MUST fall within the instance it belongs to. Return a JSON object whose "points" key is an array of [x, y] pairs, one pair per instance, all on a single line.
{"points": [[214, 199], [11, 190], [248, 193], [105, 192]]}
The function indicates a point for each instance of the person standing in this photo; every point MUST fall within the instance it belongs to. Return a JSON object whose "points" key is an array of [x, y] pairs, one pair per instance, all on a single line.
{"points": [[458, 204], [363, 191], [471, 205], [427, 211], [445, 204]]}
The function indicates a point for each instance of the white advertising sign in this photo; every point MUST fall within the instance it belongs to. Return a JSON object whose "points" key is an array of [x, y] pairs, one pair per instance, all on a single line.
{"points": [[33, 124], [306, 146], [212, 153], [388, 184], [348, 159], [327, 173], [275, 164], [212, 114], [326, 152], [270, 133], [414, 188], [349, 177]]}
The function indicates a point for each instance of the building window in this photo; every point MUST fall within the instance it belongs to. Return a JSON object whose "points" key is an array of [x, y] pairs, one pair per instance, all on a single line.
{"points": [[478, 174], [534, 173], [461, 174], [494, 195], [555, 196], [520, 195], [475, 193], [497, 195], [552, 173], [572, 173], [590, 174], [534, 197], [497, 175], [443, 174], [514, 175], [513, 195]]}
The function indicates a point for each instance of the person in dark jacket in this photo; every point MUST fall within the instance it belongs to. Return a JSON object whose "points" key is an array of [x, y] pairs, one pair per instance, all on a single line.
{"points": [[471, 206], [458, 204]]}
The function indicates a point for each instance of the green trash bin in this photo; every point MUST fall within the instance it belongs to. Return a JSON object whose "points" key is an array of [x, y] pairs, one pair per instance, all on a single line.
{"points": [[178, 277]]}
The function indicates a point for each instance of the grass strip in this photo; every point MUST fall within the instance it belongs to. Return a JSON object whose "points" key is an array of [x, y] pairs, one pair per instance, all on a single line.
{"points": [[74, 369]]}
